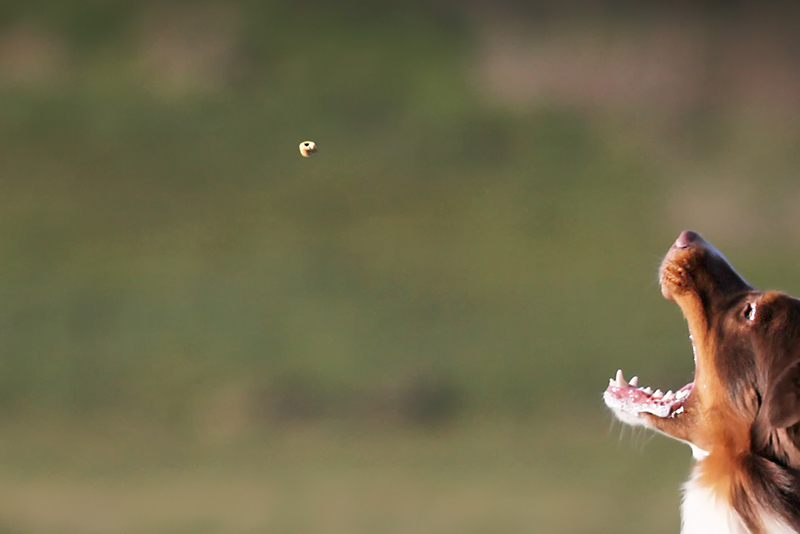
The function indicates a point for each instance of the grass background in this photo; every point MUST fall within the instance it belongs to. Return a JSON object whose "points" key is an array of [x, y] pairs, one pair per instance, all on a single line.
{"points": [[201, 331]]}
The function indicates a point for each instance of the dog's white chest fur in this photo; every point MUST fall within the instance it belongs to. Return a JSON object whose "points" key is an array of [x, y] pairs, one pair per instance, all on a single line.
{"points": [[703, 513]]}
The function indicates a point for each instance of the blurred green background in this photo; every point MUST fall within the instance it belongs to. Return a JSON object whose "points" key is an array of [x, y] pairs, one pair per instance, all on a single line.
{"points": [[201, 331]]}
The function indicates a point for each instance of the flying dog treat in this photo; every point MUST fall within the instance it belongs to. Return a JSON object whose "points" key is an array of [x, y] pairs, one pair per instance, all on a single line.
{"points": [[308, 148]]}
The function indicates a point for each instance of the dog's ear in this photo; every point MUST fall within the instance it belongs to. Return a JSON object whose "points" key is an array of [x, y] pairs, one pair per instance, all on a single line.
{"points": [[782, 399]]}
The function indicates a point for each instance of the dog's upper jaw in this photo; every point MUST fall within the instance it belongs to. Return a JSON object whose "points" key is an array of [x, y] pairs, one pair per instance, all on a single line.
{"points": [[697, 277]]}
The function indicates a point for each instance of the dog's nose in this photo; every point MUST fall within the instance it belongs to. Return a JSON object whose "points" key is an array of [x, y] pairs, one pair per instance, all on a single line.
{"points": [[687, 238]]}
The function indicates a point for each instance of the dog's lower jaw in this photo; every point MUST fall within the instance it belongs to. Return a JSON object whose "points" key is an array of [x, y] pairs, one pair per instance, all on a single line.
{"points": [[643, 420]]}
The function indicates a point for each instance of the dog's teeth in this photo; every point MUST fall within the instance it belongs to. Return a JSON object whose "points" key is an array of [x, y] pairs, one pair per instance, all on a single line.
{"points": [[634, 381], [669, 394], [621, 379], [682, 394], [658, 394], [612, 382], [648, 390]]}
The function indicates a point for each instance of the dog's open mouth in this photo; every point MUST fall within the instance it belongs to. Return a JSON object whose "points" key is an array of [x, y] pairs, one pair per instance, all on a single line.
{"points": [[629, 397]]}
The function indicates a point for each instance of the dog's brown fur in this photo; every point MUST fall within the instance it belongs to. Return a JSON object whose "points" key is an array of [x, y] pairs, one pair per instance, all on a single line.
{"points": [[744, 407]]}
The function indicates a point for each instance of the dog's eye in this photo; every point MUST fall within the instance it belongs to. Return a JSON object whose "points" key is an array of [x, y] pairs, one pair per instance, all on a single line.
{"points": [[749, 311]]}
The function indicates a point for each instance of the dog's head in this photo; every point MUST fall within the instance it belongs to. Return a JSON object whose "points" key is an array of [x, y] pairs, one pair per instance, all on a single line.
{"points": [[746, 344]]}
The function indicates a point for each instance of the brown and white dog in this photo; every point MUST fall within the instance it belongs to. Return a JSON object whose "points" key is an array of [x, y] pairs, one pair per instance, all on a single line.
{"points": [[741, 414]]}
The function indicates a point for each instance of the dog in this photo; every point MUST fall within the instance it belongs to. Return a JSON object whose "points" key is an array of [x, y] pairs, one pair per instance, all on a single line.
{"points": [[741, 414]]}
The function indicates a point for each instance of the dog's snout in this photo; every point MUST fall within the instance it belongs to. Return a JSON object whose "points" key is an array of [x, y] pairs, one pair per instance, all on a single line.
{"points": [[687, 238]]}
